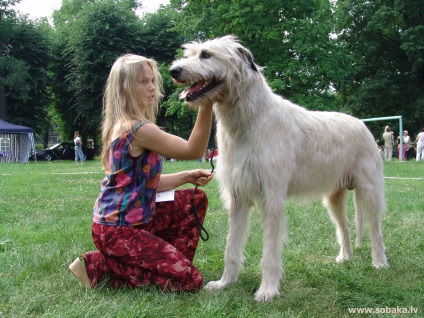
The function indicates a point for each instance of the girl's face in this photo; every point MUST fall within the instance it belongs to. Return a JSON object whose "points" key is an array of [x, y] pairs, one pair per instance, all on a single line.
{"points": [[146, 86]]}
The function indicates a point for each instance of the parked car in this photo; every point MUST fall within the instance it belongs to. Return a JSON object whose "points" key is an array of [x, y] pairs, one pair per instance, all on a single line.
{"points": [[63, 151]]}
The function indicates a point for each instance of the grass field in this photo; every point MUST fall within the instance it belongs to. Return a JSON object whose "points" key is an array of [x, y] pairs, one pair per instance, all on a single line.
{"points": [[45, 220]]}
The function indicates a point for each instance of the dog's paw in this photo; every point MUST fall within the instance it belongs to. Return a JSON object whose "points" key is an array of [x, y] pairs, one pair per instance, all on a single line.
{"points": [[380, 263], [340, 259], [214, 285], [343, 258], [264, 295]]}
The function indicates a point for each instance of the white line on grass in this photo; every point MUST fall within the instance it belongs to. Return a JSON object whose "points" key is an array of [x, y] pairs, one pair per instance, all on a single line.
{"points": [[86, 172], [402, 178]]}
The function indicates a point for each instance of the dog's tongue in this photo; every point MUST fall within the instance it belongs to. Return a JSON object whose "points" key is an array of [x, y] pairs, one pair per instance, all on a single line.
{"points": [[191, 90], [183, 94]]}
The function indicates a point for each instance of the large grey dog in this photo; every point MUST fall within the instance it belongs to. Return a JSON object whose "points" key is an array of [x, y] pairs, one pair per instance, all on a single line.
{"points": [[271, 149]]}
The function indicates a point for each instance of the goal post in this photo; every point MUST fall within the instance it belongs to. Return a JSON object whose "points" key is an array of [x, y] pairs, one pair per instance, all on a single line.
{"points": [[400, 130]]}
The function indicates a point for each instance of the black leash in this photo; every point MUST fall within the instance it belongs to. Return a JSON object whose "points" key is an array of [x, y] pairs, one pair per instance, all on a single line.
{"points": [[204, 235]]}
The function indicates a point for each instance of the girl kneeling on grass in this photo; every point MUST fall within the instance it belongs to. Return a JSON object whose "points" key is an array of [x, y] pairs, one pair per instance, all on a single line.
{"points": [[141, 242]]}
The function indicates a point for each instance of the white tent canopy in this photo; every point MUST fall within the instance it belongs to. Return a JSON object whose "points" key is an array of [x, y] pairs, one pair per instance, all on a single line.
{"points": [[16, 142]]}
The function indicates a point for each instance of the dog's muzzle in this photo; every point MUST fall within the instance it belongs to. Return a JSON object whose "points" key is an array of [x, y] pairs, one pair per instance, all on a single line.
{"points": [[175, 72], [197, 89]]}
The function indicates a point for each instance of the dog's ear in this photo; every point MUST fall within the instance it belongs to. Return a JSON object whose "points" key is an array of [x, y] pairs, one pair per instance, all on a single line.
{"points": [[247, 57]]}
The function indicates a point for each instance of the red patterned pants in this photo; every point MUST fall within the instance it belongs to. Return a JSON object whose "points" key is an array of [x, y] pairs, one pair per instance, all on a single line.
{"points": [[157, 253]]}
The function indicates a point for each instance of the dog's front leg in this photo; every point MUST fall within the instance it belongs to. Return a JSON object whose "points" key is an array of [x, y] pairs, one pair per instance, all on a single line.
{"points": [[274, 228], [236, 240]]}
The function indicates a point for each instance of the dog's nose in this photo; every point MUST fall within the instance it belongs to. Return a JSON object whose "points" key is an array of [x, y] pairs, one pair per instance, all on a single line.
{"points": [[175, 71]]}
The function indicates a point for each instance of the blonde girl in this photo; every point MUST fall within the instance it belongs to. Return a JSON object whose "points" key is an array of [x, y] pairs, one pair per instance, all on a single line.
{"points": [[141, 242]]}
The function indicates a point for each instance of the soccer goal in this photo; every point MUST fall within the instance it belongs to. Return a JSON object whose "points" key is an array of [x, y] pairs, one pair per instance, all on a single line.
{"points": [[400, 129]]}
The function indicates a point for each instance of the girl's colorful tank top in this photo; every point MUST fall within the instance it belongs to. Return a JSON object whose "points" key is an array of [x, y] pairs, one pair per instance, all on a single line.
{"points": [[128, 193]]}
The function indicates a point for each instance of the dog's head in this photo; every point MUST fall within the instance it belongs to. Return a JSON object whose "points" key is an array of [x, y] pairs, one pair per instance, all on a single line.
{"points": [[215, 69]]}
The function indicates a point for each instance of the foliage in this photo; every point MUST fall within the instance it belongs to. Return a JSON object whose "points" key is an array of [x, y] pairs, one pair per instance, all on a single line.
{"points": [[292, 39], [24, 67], [160, 38], [385, 40], [16, 75], [45, 220], [6, 11], [92, 37]]}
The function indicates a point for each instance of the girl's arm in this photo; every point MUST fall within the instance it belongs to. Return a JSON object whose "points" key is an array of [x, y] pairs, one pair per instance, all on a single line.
{"points": [[174, 180], [151, 137]]}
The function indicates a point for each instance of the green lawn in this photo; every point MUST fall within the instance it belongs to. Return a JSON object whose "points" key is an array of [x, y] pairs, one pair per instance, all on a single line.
{"points": [[45, 220]]}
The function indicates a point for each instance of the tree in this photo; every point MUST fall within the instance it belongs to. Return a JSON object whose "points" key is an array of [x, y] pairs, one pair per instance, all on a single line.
{"points": [[29, 46], [292, 39], [160, 37], [24, 61], [412, 42], [7, 20], [385, 40], [89, 38]]}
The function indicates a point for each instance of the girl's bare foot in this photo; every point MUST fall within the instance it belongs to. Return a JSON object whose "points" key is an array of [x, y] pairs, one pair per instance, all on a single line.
{"points": [[78, 269]]}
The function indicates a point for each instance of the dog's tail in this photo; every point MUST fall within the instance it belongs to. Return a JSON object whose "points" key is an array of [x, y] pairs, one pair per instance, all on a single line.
{"points": [[369, 201]]}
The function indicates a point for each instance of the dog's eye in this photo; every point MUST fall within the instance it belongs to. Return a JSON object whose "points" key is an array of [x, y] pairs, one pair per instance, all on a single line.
{"points": [[205, 55]]}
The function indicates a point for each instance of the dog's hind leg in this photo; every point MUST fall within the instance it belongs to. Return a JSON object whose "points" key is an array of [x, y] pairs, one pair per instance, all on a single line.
{"points": [[358, 220], [371, 201], [236, 240], [274, 232], [336, 205]]}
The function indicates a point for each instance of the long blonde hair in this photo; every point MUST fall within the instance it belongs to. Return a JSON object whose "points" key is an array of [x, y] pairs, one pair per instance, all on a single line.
{"points": [[121, 100]]}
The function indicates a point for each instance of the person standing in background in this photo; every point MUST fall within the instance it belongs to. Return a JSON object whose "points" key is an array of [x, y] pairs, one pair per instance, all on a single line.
{"points": [[79, 155], [420, 145], [388, 143], [406, 143]]}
